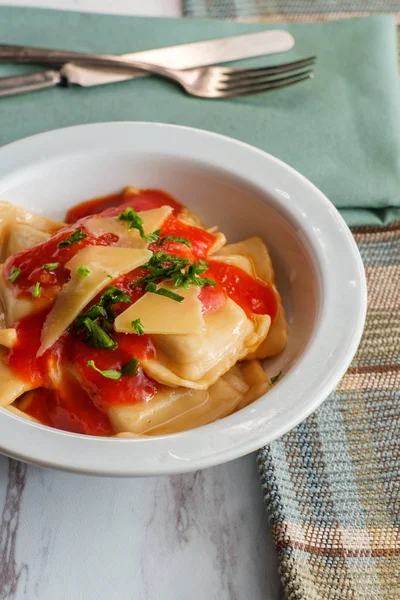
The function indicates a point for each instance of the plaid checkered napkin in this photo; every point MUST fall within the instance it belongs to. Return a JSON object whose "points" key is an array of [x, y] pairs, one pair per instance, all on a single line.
{"points": [[288, 10], [332, 485]]}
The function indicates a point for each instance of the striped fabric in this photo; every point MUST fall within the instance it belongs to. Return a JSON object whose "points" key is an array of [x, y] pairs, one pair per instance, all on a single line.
{"points": [[288, 10], [332, 485]]}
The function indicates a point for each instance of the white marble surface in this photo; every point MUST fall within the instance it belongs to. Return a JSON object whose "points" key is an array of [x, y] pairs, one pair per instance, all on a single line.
{"points": [[200, 536]]}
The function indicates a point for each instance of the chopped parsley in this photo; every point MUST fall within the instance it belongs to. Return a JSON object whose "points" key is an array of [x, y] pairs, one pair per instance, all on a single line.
{"points": [[174, 238], [137, 327], [51, 266], [165, 267], [96, 336], [151, 287], [131, 368], [136, 222], [276, 378], [15, 273], [153, 237], [83, 271], [99, 318], [37, 290], [76, 236], [107, 373], [112, 295]]}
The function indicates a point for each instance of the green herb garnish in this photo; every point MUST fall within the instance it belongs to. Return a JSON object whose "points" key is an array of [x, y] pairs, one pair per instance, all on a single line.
{"points": [[113, 295], [152, 288], [165, 267], [15, 273], [190, 276], [136, 222], [99, 318], [131, 368], [153, 237], [102, 309], [76, 236], [51, 266], [137, 327], [96, 336], [83, 271], [275, 378], [107, 373], [174, 238], [37, 290], [94, 312]]}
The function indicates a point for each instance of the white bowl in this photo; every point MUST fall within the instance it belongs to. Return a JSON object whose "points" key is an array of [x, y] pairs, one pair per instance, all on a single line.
{"points": [[245, 192]]}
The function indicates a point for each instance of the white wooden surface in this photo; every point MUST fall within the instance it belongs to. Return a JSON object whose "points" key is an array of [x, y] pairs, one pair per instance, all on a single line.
{"points": [[151, 8], [200, 536]]}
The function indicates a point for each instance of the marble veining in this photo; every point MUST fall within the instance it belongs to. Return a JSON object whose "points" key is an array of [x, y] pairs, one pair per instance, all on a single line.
{"points": [[201, 535], [11, 575]]}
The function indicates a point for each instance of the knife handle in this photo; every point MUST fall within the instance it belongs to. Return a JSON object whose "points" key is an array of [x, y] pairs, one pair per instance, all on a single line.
{"points": [[18, 84], [31, 55], [27, 54]]}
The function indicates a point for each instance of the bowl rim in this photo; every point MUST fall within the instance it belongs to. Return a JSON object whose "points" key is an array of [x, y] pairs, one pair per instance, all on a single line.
{"points": [[246, 430]]}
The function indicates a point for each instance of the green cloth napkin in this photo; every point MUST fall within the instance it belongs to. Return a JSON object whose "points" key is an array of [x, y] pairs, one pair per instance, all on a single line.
{"points": [[341, 129]]}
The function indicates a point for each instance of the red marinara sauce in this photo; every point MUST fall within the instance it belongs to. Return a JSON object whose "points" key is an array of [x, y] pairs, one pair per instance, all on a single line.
{"points": [[201, 241], [253, 295], [32, 262], [128, 389], [115, 203], [72, 411], [82, 407], [23, 358]]}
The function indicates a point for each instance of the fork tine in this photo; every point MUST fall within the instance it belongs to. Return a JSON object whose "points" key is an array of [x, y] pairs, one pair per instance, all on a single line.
{"points": [[266, 85], [228, 86], [272, 70]]}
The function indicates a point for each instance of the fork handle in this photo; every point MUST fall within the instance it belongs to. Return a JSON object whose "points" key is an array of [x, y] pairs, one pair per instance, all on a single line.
{"points": [[19, 84], [28, 54]]}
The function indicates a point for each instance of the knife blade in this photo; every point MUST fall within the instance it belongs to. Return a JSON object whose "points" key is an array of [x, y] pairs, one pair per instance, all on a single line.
{"points": [[185, 56]]}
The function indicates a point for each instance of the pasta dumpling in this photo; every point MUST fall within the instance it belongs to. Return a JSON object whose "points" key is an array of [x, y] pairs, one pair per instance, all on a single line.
{"points": [[133, 318]]}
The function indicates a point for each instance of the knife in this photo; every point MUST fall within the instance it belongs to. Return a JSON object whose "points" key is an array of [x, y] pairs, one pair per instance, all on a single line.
{"points": [[179, 57]]}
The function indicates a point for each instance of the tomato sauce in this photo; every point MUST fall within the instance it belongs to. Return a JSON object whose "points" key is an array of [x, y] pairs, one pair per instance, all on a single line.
{"points": [[129, 388], [201, 241], [85, 395], [253, 295], [72, 411], [212, 298], [113, 204], [31, 262], [22, 357]]}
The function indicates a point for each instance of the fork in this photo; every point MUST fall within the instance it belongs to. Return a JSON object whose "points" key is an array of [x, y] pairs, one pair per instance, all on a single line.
{"points": [[204, 82]]}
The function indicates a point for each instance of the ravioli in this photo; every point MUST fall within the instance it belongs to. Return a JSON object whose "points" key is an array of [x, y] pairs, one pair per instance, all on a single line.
{"points": [[198, 360], [12, 220], [12, 385], [255, 251], [162, 315], [129, 238], [103, 264], [181, 351], [15, 308], [173, 410]]}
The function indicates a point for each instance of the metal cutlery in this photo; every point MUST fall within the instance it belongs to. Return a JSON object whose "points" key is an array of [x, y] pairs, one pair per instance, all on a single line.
{"points": [[204, 82], [182, 56]]}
